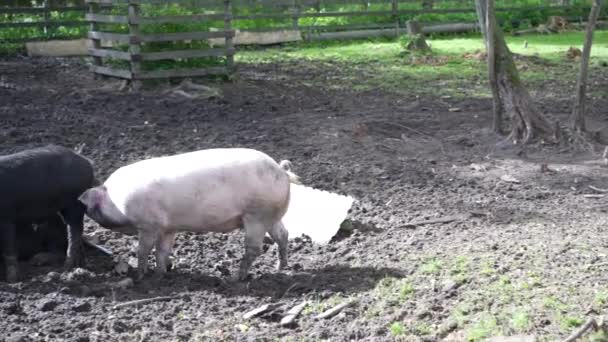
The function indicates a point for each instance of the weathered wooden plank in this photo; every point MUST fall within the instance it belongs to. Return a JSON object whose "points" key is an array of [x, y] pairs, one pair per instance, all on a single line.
{"points": [[34, 39], [126, 74], [168, 37], [45, 23], [122, 55], [106, 19], [16, 10], [181, 73], [117, 37], [108, 2], [156, 56], [180, 19]]}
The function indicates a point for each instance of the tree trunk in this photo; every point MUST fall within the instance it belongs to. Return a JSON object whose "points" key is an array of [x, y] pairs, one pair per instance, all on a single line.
{"points": [[491, 52], [577, 120], [527, 122]]}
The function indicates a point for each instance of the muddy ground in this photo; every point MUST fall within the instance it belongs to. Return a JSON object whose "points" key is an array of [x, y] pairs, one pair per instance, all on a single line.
{"points": [[525, 251]]}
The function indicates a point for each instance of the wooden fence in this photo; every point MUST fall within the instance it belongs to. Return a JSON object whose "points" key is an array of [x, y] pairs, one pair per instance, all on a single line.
{"points": [[124, 40], [46, 26], [135, 39], [394, 15]]}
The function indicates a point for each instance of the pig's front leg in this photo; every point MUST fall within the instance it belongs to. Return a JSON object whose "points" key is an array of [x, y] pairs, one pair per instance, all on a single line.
{"points": [[164, 246], [255, 229], [8, 232], [73, 217], [146, 242]]}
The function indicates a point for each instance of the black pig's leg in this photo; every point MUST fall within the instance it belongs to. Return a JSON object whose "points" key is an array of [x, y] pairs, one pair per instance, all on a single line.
{"points": [[73, 217], [8, 233]]}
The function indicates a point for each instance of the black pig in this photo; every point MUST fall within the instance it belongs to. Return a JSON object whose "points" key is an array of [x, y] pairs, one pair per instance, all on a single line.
{"points": [[35, 185]]}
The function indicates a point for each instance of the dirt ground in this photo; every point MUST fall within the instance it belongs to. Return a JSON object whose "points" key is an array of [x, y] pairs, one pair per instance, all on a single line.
{"points": [[524, 251]]}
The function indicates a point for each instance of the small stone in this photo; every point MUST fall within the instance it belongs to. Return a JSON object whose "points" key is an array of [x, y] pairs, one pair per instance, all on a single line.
{"points": [[83, 307], [119, 327], [50, 277], [450, 285], [48, 305]]}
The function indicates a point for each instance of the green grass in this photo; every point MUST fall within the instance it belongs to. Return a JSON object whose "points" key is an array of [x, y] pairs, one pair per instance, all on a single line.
{"points": [[373, 64], [520, 320], [486, 326], [432, 266], [397, 329]]}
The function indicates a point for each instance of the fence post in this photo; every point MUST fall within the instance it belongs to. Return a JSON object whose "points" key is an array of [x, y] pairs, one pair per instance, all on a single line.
{"points": [[296, 14], [93, 8], [134, 44], [395, 9], [228, 31], [46, 16]]}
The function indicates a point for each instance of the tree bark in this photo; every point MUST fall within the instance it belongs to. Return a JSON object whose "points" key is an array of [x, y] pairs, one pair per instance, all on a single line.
{"points": [[527, 122], [577, 120], [491, 52]]}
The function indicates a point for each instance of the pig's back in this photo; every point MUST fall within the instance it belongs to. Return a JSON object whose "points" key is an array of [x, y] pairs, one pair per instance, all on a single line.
{"points": [[227, 180], [50, 174]]}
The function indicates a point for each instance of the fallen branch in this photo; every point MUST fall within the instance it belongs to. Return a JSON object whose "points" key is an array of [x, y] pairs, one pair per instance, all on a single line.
{"points": [[593, 196], [591, 324], [259, 310], [446, 219], [336, 309], [97, 247], [142, 301], [291, 315], [600, 190]]}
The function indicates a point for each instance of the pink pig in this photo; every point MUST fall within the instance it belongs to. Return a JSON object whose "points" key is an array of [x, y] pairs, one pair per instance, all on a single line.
{"points": [[213, 190]]}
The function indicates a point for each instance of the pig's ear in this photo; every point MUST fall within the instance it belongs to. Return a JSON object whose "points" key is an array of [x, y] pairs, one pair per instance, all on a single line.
{"points": [[91, 197]]}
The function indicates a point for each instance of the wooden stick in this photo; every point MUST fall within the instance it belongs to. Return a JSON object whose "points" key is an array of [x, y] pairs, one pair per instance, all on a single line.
{"points": [[291, 315], [259, 310], [593, 196], [97, 247], [590, 324], [336, 309], [445, 219], [600, 190], [142, 301]]}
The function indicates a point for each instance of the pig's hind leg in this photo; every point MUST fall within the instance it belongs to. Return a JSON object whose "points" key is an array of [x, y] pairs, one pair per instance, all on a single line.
{"points": [[255, 230], [73, 217], [280, 236], [8, 233]]}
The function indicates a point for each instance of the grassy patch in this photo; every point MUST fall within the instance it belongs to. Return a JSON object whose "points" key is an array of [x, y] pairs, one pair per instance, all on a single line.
{"points": [[431, 266], [388, 293], [450, 69], [486, 326], [520, 320], [397, 329]]}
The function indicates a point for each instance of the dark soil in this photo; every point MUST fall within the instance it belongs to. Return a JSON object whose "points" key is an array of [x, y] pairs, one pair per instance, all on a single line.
{"points": [[525, 257]]}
